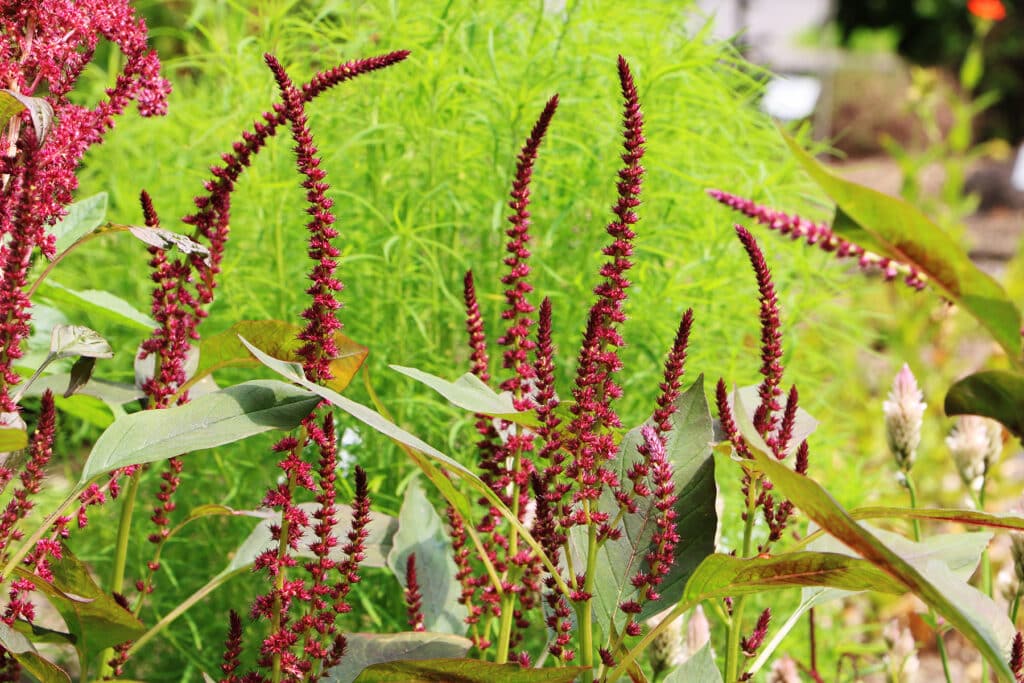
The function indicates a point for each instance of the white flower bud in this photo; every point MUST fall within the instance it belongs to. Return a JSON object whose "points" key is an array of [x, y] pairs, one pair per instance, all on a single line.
{"points": [[975, 443], [904, 412]]}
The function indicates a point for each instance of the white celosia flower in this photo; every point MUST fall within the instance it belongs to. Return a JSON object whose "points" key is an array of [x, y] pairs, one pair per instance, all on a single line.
{"points": [[904, 412], [975, 443]]}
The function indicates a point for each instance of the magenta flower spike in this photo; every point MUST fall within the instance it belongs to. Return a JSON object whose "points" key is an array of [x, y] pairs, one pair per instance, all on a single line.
{"points": [[821, 234], [479, 358], [675, 364], [413, 596]]}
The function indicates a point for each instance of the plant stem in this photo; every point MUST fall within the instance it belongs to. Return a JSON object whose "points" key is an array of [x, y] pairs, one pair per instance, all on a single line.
{"points": [[585, 613], [732, 648], [124, 529]]}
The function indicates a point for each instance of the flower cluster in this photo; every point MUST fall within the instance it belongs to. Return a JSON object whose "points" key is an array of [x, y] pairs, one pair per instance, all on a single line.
{"points": [[821, 235]]}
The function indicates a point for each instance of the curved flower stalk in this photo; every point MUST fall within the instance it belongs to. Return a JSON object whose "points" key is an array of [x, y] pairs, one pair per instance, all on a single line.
{"points": [[821, 235]]}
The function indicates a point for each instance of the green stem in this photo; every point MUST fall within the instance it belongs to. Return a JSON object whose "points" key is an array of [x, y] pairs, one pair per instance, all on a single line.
{"points": [[505, 627], [124, 529], [627, 660], [732, 648], [585, 613]]}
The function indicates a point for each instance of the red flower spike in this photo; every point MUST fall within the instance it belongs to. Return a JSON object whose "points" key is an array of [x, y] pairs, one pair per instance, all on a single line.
{"points": [[779, 441], [732, 432], [821, 235], [751, 645], [413, 597], [1017, 657], [479, 360], [675, 364], [31, 478], [765, 419]]}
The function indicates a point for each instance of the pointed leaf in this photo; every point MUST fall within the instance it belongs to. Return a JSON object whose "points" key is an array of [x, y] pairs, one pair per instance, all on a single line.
{"points": [[463, 671], [900, 231], [688, 448], [723, 575], [81, 373], [996, 394], [699, 667], [467, 392], [96, 302], [993, 520], [365, 649], [966, 609], [75, 340], [279, 339], [421, 531], [19, 647], [82, 218], [39, 110], [92, 617], [212, 420], [10, 106]]}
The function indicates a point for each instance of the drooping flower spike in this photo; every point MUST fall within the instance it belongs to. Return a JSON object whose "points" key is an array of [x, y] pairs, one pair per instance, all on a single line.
{"points": [[821, 235]]}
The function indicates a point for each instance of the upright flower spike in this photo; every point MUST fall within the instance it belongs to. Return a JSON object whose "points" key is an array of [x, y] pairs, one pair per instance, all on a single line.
{"points": [[975, 444], [904, 413], [518, 308], [321, 316], [592, 445], [765, 416], [479, 359], [675, 364], [413, 597], [821, 235]]}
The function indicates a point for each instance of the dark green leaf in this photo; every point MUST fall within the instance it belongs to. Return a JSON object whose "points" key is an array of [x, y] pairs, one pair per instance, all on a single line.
{"points": [[900, 231], [211, 420], [421, 531], [92, 617], [699, 667], [19, 647], [463, 671], [688, 448], [81, 372], [83, 217], [365, 649], [965, 608], [997, 394]]}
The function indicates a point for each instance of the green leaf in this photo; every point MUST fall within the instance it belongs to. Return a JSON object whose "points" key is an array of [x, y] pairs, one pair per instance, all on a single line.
{"points": [[994, 520], [421, 531], [463, 671], [211, 420], [92, 617], [10, 106], [688, 448], [96, 302], [997, 394], [76, 340], [723, 575], [699, 667], [470, 393], [166, 239], [381, 531], [39, 111], [279, 339], [900, 231], [365, 649], [83, 217], [966, 609], [12, 439], [116, 393], [19, 647]]}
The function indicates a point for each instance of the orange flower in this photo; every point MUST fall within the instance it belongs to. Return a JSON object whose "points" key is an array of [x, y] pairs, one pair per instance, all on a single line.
{"points": [[987, 9]]}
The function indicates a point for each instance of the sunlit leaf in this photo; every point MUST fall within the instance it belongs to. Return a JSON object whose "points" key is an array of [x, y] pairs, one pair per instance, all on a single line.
{"points": [[39, 110], [96, 302], [82, 218], [12, 439], [366, 649], [10, 106], [966, 609], [899, 230], [212, 420], [996, 394], [280, 340], [994, 520], [116, 393], [165, 239], [803, 426], [421, 531], [467, 392], [76, 340]]}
